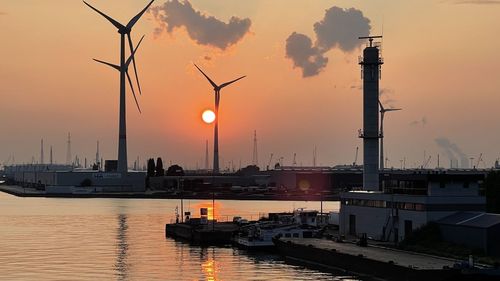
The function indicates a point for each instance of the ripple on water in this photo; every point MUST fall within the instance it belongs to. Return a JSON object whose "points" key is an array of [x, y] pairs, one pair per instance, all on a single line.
{"points": [[106, 239]]}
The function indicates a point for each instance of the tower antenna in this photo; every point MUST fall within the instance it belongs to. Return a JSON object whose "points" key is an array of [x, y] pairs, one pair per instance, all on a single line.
{"points": [[41, 152], [68, 150], [255, 159]]}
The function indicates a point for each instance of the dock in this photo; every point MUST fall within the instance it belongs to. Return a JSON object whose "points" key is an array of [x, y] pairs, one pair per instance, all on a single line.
{"points": [[208, 234], [374, 261]]}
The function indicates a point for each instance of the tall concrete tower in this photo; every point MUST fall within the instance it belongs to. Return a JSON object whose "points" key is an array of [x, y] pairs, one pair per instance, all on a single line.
{"points": [[371, 63]]}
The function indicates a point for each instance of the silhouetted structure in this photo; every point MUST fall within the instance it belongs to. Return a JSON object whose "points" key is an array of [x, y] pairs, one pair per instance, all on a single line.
{"points": [[383, 110], [123, 69], [159, 168], [217, 89], [370, 66]]}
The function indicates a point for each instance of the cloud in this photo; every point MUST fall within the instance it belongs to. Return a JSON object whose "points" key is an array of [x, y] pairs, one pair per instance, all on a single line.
{"points": [[387, 97], [452, 151], [339, 28], [203, 29], [422, 122], [300, 49]]}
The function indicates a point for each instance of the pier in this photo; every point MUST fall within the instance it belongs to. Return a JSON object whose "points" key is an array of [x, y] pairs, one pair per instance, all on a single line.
{"points": [[379, 262]]}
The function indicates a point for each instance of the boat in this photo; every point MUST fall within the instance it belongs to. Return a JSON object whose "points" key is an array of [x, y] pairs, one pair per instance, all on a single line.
{"points": [[260, 235]]}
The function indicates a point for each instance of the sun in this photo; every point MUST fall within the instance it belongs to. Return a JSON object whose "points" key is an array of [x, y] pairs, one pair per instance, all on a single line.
{"points": [[208, 116]]}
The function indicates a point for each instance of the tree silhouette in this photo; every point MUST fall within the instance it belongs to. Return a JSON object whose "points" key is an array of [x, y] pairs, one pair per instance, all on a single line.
{"points": [[159, 168], [175, 170], [151, 168]]}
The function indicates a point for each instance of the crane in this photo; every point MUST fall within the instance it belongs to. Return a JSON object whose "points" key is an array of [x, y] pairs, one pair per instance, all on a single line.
{"points": [[479, 160], [427, 162]]}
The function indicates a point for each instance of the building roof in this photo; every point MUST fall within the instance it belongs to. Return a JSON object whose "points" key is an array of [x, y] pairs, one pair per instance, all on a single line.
{"points": [[471, 219]]}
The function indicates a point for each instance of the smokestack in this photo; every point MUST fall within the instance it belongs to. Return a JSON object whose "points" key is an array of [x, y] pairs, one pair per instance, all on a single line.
{"points": [[370, 67], [51, 156]]}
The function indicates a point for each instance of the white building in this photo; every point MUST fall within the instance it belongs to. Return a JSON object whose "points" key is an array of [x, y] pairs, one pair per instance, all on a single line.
{"points": [[409, 201]]}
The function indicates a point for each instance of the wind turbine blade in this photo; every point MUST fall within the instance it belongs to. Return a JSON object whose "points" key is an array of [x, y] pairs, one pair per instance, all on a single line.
{"points": [[208, 78], [131, 46], [108, 64], [393, 109], [381, 106], [131, 57], [231, 82], [115, 23], [133, 92], [131, 23]]}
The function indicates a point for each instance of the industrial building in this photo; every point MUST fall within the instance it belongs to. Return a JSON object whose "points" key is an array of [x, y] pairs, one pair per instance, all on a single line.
{"points": [[55, 178], [391, 204], [475, 230]]}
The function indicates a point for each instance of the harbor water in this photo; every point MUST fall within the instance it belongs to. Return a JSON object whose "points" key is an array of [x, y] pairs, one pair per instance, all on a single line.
{"points": [[124, 239]]}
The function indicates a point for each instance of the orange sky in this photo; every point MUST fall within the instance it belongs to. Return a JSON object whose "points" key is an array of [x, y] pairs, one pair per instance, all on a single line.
{"points": [[441, 65]]}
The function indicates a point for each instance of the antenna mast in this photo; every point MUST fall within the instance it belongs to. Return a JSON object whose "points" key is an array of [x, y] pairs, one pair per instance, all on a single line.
{"points": [[68, 150], [41, 152], [255, 160]]}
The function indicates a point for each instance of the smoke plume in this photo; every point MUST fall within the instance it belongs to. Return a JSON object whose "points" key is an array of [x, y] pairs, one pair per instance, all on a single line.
{"points": [[339, 28], [203, 29], [452, 151]]}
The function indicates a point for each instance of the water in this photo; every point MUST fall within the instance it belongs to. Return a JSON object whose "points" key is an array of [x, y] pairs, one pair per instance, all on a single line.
{"points": [[123, 239]]}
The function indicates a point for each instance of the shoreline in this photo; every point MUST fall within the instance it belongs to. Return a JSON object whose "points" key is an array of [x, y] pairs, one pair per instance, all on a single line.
{"points": [[31, 192]]}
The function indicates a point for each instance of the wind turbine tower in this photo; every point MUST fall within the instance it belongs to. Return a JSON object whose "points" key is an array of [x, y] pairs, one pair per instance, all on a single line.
{"points": [[124, 30], [217, 89], [383, 110], [255, 159], [371, 65], [206, 155]]}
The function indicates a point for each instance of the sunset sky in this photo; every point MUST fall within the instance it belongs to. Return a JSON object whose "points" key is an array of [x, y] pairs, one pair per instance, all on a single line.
{"points": [[441, 66]]}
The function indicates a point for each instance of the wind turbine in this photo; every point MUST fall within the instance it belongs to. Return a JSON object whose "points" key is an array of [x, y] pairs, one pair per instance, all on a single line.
{"points": [[217, 89], [124, 30], [383, 110]]}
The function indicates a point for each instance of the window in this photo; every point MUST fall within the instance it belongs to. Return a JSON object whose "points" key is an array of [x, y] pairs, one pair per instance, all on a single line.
{"points": [[288, 235], [295, 235]]}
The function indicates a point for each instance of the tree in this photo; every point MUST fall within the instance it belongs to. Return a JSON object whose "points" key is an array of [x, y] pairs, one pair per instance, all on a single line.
{"points": [[249, 171], [159, 168], [151, 168], [175, 170]]}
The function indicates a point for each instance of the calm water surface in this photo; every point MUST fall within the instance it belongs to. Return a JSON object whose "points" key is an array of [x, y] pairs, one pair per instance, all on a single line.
{"points": [[123, 239]]}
